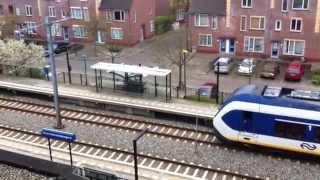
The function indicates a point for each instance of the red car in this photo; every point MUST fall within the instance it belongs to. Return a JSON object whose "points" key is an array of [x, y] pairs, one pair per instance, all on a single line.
{"points": [[294, 71]]}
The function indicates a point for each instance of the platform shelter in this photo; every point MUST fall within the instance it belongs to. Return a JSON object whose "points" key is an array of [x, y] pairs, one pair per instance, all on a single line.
{"points": [[142, 71]]}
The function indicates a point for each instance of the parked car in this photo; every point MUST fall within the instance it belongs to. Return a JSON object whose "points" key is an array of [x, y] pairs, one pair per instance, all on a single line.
{"points": [[270, 70], [294, 71], [61, 47], [225, 65], [246, 67], [75, 47], [208, 89]]}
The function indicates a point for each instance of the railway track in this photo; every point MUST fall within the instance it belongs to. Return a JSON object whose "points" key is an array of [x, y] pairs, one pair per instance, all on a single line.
{"points": [[197, 171], [94, 118]]}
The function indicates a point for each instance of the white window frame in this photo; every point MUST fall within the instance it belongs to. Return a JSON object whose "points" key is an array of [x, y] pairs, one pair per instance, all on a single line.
{"points": [[52, 11], [76, 13], [252, 50], [31, 25], [18, 13], [287, 8], [292, 53], [302, 8], [295, 29], [241, 23], [28, 9], [85, 13], [214, 20], [56, 29], [246, 3], [122, 15], [180, 14], [260, 17], [198, 18], [152, 26], [207, 38], [276, 28], [82, 29], [116, 37]]}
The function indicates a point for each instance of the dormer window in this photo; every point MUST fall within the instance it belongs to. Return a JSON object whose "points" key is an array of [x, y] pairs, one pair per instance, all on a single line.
{"points": [[118, 15]]}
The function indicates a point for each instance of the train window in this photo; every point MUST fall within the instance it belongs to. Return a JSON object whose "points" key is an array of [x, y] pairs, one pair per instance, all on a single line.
{"points": [[247, 115], [290, 130], [316, 134]]}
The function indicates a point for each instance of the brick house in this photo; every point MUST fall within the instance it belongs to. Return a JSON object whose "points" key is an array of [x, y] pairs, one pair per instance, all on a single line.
{"points": [[288, 29], [129, 22]]}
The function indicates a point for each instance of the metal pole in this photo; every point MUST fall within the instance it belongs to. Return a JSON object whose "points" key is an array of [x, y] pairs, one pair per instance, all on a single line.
{"points": [[218, 79], [54, 74], [135, 157], [135, 154], [166, 88], [155, 86], [85, 70], [95, 75], [71, 162], [184, 74], [114, 81], [69, 66], [100, 79], [196, 145], [50, 149], [170, 93]]}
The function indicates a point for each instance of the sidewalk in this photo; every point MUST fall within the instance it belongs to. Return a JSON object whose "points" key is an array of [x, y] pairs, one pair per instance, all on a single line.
{"points": [[175, 106]]}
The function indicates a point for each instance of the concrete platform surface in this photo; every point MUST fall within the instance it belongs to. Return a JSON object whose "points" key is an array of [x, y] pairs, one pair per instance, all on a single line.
{"points": [[88, 93]]}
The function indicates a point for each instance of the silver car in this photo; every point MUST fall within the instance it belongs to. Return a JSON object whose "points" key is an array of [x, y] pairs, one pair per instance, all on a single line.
{"points": [[225, 64], [247, 66]]}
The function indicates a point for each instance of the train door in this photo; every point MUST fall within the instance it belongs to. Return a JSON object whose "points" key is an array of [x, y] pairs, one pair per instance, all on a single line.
{"points": [[247, 130]]}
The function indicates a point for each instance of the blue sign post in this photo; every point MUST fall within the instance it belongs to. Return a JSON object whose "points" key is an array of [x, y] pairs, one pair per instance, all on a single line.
{"points": [[59, 135]]}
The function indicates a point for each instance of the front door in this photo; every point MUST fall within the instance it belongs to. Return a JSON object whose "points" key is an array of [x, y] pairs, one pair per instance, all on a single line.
{"points": [[275, 49], [247, 128], [142, 32], [227, 46], [65, 33]]}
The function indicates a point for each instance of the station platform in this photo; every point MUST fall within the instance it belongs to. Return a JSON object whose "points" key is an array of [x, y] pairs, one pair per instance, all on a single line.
{"points": [[88, 93], [38, 165]]}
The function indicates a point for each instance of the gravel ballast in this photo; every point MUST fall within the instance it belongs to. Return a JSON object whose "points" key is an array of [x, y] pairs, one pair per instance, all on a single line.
{"points": [[13, 173], [225, 158]]}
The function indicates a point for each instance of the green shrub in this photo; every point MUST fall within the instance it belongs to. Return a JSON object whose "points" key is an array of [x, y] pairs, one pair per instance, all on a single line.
{"points": [[163, 24], [36, 73], [316, 77]]}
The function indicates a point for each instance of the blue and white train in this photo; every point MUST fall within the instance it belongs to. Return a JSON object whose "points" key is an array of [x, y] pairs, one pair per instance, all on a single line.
{"points": [[275, 117]]}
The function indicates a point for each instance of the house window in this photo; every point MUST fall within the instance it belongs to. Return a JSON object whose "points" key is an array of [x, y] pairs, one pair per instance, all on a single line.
{"points": [[52, 11], [296, 25], [152, 26], [246, 4], [180, 14], [85, 12], [284, 6], [101, 36], [300, 4], [76, 13], [214, 23], [205, 40], [290, 130], [257, 22], [63, 13], [202, 20], [243, 23], [117, 33], [1, 10], [18, 12], [254, 44], [28, 10], [134, 16], [278, 25], [56, 29], [80, 31], [31, 27], [118, 15], [294, 47]]}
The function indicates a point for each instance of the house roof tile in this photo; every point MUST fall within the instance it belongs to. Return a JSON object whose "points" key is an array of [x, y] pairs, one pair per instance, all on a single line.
{"points": [[211, 7], [116, 4]]}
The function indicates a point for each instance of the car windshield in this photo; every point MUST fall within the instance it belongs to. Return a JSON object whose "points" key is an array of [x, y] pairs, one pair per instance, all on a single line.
{"points": [[246, 63], [293, 71], [221, 63]]}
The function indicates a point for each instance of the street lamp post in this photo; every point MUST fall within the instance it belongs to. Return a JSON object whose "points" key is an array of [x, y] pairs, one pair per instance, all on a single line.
{"points": [[218, 79], [54, 74], [69, 66], [135, 155]]}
